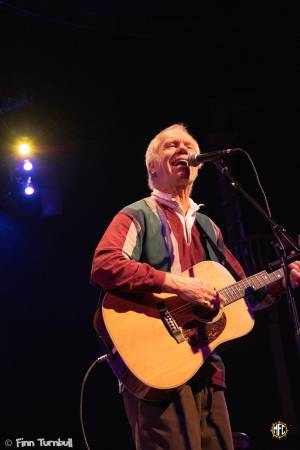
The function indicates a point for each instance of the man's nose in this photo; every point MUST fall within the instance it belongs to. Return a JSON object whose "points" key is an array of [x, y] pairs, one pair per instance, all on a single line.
{"points": [[182, 148]]}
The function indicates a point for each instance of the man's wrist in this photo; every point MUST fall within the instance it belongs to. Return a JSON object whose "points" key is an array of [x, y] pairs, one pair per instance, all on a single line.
{"points": [[171, 284]]}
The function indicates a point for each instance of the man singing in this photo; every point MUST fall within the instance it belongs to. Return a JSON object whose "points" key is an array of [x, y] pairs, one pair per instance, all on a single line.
{"points": [[144, 250]]}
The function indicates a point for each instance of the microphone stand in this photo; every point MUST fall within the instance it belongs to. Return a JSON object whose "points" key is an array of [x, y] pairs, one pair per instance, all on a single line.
{"points": [[281, 235]]}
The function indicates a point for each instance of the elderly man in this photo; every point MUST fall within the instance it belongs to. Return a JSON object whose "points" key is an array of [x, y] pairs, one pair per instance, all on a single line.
{"points": [[144, 250]]}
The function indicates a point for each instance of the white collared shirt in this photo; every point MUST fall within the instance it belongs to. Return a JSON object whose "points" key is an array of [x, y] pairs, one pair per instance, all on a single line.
{"points": [[187, 219]]}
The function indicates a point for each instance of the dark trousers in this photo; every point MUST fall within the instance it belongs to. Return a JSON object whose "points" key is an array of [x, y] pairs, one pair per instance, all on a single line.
{"points": [[191, 421]]}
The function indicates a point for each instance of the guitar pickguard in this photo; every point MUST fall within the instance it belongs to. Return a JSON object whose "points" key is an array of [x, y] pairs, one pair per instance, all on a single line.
{"points": [[201, 334]]}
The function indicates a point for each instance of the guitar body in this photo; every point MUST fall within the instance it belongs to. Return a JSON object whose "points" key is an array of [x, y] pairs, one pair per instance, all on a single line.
{"points": [[146, 345]]}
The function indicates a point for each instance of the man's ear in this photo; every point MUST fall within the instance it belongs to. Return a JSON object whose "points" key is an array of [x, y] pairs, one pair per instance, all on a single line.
{"points": [[151, 168]]}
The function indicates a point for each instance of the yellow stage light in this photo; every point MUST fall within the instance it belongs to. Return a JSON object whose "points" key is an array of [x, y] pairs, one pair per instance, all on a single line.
{"points": [[24, 149]]}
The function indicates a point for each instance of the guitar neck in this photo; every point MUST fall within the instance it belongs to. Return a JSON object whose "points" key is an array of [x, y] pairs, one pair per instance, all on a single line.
{"points": [[259, 280]]}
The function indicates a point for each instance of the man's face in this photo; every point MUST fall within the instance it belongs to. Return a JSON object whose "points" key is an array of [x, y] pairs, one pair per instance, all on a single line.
{"points": [[172, 172]]}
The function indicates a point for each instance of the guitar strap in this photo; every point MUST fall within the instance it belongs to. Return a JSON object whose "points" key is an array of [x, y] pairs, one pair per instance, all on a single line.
{"points": [[220, 255]]}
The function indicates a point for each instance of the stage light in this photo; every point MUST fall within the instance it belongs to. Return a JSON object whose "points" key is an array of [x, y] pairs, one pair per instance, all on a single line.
{"points": [[28, 166], [29, 188], [24, 149]]}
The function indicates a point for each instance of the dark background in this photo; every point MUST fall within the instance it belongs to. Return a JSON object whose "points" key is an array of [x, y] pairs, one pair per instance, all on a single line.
{"points": [[92, 84]]}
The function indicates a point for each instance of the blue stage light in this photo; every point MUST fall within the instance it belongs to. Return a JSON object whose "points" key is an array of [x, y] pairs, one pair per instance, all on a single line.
{"points": [[28, 166], [29, 188]]}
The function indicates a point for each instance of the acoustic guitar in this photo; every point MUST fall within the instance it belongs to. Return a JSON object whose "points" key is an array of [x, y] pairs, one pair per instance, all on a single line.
{"points": [[162, 340]]}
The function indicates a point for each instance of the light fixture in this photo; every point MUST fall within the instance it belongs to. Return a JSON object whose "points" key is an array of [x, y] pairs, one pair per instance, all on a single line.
{"points": [[24, 149], [29, 188], [27, 165]]}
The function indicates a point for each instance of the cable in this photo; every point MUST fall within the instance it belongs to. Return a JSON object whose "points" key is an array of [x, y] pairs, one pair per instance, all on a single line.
{"points": [[98, 360], [258, 182]]}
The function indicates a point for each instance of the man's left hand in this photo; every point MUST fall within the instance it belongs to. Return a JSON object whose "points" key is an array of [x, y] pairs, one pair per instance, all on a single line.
{"points": [[294, 274]]}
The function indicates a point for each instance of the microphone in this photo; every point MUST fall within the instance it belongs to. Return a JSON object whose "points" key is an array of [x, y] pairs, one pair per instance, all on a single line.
{"points": [[201, 158]]}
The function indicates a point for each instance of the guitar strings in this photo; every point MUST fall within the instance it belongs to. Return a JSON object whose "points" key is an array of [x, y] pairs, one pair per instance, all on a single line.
{"points": [[244, 283], [189, 306], [228, 299], [197, 306], [252, 281]]}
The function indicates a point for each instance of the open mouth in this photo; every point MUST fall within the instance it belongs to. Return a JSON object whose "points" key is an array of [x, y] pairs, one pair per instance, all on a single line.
{"points": [[180, 162]]}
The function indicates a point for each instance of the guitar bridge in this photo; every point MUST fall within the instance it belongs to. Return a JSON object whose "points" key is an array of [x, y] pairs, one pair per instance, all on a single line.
{"points": [[170, 323]]}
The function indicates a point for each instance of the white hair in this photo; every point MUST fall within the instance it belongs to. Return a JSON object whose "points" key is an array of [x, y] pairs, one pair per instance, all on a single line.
{"points": [[153, 147]]}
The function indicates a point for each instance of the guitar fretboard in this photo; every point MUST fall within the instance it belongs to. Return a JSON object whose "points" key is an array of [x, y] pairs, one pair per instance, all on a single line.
{"points": [[259, 280]]}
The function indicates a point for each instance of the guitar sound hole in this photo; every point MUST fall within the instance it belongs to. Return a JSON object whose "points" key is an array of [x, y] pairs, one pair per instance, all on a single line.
{"points": [[205, 314], [201, 334]]}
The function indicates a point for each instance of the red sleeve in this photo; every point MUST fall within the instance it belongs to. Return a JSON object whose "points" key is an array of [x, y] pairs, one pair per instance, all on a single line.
{"points": [[113, 265]]}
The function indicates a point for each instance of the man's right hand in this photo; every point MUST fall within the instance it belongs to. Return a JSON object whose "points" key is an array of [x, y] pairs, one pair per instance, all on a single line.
{"points": [[193, 290]]}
